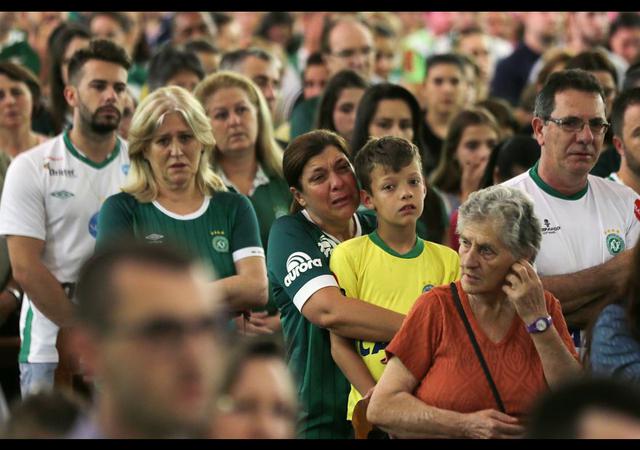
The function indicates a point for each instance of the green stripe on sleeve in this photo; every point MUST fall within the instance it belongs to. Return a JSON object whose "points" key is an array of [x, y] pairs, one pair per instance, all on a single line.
{"points": [[23, 356]]}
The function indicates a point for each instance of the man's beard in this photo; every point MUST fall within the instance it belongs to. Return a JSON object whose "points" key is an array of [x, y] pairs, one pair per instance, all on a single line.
{"points": [[97, 123], [632, 163], [594, 41]]}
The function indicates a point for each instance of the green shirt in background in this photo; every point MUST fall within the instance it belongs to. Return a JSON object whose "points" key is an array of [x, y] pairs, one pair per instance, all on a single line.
{"points": [[303, 117], [270, 199]]}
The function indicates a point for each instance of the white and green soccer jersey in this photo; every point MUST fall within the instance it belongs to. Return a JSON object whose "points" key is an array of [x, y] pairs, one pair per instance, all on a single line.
{"points": [[298, 266], [221, 232], [53, 193], [584, 230]]}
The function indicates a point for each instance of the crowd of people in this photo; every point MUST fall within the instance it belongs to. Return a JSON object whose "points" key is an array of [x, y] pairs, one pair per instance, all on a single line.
{"points": [[319, 225]]}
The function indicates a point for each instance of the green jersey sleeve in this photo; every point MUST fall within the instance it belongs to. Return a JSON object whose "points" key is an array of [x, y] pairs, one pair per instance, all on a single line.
{"points": [[115, 221], [245, 235], [297, 267]]}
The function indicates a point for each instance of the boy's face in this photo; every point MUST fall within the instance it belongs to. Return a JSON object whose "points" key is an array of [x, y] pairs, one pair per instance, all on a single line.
{"points": [[397, 197]]}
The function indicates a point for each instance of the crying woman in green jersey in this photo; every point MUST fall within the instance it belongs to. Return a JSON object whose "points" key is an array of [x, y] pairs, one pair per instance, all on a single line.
{"points": [[323, 214], [173, 197]]}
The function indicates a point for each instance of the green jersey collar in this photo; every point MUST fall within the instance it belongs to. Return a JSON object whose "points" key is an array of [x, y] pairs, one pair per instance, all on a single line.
{"points": [[533, 172], [260, 179], [75, 152], [413, 253]]}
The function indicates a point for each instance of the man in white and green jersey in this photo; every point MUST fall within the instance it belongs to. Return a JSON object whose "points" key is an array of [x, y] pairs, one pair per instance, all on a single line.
{"points": [[298, 266], [588, 223], [49, 208]]}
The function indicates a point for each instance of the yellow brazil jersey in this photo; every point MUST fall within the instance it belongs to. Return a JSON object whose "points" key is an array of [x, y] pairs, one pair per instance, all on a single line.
{"points": [[367, 269]]}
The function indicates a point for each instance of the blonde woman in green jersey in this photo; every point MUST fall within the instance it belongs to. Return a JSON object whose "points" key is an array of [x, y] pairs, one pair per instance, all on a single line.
{"points": [[173, 197]]}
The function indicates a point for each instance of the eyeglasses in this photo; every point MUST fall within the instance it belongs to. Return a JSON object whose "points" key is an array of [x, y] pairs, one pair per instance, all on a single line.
{"points": [[576, 124], [170, 332]]}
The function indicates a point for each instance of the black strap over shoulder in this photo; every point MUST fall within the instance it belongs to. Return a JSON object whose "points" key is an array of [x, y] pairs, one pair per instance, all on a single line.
{"points": [[476, 347]]}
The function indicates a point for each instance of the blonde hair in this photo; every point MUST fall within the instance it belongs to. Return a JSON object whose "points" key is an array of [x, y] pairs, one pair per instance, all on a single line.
{"points": [[146, 120], [268, 152]]}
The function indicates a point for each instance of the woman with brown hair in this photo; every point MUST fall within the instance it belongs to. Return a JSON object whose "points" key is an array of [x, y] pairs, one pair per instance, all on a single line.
{"points": [[472, 134], [323, 214], [19, 97]]}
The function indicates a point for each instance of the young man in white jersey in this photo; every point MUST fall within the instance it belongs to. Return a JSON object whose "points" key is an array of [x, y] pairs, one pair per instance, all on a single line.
{"points": [[49, 206], [625, 121], [588, 223]]}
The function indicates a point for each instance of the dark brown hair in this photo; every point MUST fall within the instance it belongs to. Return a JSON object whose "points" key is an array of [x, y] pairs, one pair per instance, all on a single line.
{"points": [[21, 74], [447, 174], [102, 50]]}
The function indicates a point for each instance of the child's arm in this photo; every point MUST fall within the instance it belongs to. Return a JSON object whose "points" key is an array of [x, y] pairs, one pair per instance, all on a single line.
{"points": [[351, 364]]}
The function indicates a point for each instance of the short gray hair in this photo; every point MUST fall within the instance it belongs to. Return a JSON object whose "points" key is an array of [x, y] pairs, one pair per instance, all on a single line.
{"points": [[512, 211]]}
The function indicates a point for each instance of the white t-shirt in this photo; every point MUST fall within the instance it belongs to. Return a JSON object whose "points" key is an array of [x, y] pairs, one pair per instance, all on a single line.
{"points": [[53, 193], [583, 230]]}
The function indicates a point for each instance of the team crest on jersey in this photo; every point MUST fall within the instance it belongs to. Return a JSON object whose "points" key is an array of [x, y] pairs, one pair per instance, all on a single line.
{"points": [[125, 168], [220, 244], [297, 263], [62, 195], [326, 245], [615, 243], [93, 225], [549, 228], [636, 208]]}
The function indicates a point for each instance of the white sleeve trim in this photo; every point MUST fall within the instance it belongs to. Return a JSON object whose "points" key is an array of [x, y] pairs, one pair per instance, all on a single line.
{"points": [[311, 287], [247, 252]]}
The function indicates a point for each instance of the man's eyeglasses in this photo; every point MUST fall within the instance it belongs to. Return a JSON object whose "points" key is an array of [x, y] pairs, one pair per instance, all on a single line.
{"points": [[169, 332], [576, 124]]}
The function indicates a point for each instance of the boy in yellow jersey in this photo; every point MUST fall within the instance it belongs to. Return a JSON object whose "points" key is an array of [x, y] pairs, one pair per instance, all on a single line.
{"points": [[392, 266]]}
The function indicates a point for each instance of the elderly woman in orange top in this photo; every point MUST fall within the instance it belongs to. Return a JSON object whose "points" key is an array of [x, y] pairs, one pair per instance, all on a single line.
{"points": [[435, 385]]}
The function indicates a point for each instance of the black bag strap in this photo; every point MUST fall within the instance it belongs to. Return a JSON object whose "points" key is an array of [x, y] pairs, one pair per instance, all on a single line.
{"points": [[476, 347]]}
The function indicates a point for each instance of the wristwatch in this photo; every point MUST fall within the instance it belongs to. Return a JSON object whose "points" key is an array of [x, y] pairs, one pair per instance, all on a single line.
{"points": [[540, 325]]}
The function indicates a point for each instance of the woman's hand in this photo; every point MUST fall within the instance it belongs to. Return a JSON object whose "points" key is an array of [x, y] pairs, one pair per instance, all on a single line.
{"points": [[492, 424], [253, 323], [525, 292]]}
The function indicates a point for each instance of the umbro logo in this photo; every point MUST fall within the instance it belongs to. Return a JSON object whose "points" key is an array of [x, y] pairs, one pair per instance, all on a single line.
{"points": [[62, 195], [154, 238]]}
